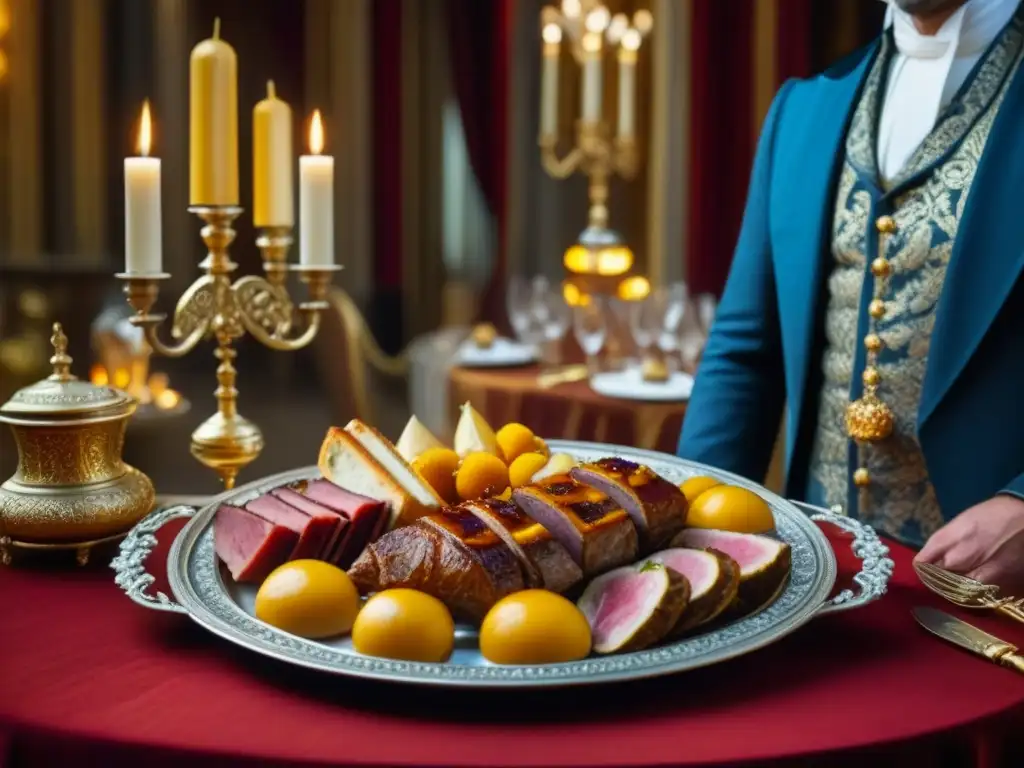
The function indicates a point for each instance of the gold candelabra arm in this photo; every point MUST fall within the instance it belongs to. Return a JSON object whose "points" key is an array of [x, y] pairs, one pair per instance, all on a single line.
{"points": [[266, 312], [559, 168], [142, 291]]}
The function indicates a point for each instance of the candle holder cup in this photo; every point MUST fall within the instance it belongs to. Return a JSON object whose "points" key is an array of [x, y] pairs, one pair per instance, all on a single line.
{"points": [[215, 307]]}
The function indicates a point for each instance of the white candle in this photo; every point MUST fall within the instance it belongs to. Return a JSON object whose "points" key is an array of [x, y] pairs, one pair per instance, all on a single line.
{"points": [[627, 84], [549, 82], [591, 106], [142, 234], [316, 201]]}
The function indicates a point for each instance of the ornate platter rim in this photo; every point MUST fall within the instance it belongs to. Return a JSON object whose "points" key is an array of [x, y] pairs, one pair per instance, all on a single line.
{"points": [[196, 582]]}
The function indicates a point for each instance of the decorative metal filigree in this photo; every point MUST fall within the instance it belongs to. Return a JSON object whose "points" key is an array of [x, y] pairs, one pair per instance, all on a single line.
{"points": [[130, 564]]}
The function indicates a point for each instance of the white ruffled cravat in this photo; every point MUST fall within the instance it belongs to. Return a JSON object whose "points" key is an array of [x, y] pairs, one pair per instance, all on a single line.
{"points": [[928, 70]]}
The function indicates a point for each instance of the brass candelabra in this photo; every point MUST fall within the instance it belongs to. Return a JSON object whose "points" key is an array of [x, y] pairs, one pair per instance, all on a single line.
{"points": [[215, 306], [600, 260]]}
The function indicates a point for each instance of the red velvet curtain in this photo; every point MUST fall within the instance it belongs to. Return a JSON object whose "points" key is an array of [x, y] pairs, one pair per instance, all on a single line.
{"points": [[721, 150], [479, 33], [387, 144]]}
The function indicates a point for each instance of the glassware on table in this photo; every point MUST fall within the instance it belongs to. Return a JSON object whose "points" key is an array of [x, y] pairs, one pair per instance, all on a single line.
{"points": [[672, 303], [590, 327], [707, 306], [520, 305], [555, 317]]}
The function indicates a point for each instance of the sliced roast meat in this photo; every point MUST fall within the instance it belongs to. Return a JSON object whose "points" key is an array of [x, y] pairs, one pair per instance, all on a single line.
{"points": [[335, 521], [366, 518], [249, 545], [764, 562], [714, 578], [597, 532], [313, 533], [631, 608], [657, 507], [454, 557], [546, 563]]}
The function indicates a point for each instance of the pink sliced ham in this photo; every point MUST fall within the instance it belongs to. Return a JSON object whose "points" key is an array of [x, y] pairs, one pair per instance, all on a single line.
{"points": [[367, 518], [714, 579], [633, 607], [764, 562], [250, 546], [323, 515], [313, 533]]}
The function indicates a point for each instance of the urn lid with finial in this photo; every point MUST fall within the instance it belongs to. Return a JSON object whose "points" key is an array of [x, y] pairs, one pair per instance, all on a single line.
{"points": [[62, 397]]}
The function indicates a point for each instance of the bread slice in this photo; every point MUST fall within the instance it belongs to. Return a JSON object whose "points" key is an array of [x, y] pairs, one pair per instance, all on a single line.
{"points": [[348, 458]]}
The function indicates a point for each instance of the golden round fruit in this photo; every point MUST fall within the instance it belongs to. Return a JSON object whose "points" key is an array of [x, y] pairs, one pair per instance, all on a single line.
{"points": [[438, 467], [481, 475], [695, 486], [729, 508], [404, 624], [522, 470], [515, 440], [541, 447], [308, 598], [534, 626]]}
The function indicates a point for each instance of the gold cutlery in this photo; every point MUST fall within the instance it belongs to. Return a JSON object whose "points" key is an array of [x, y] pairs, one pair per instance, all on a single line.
{"points": [[566, 375], [967, 592], [976, 641]]}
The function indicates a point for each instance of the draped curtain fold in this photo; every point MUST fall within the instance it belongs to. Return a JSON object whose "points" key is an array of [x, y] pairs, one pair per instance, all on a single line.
{"points": [[721, 150], [479, 43], [807, 35]]}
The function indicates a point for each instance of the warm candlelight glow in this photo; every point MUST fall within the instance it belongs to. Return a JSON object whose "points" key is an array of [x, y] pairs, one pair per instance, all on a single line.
{"points": [[157, 384], [631, 40], [571, 8], [316, 134], [98, 375], [634, 288], [643, 21], [591, 43], [598, 19], [167, 400], [122, 378], [145, 142], [552, 34], [617, 28]]}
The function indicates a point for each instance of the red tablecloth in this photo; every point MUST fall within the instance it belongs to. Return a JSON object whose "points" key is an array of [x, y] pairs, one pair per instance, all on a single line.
{"points": [[89, 678]]}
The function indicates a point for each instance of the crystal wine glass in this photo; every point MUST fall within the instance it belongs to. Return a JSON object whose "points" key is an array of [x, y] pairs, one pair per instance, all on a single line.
{"points": [[519, 303], [555, 317], [590, 327]]}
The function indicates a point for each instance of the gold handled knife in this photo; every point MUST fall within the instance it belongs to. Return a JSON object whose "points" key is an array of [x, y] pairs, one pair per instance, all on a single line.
{"points": [[961, 633]]}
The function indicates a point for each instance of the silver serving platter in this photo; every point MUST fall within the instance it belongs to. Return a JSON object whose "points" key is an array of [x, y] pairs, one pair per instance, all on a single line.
{"points": [[203, 592]]}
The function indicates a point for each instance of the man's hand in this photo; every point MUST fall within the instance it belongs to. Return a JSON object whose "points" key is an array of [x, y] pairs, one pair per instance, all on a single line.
{"points": [[985, 542]]}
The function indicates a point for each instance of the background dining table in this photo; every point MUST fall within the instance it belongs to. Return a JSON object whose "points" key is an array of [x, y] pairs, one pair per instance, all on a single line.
{"points": [[89, 678]]}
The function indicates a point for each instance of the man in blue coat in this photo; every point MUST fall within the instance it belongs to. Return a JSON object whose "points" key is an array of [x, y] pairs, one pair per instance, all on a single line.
{"points": [[876, 294]]}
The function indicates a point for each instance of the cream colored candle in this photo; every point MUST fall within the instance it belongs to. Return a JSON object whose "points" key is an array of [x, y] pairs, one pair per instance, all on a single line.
{"points": [[549, 81], [316, 201], [273, 197], [213, 122], [627, 84], [142, 234], [591, 98]]}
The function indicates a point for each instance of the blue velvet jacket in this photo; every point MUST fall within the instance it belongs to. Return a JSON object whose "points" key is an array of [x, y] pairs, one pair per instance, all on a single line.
{"points": [[765, 349]]}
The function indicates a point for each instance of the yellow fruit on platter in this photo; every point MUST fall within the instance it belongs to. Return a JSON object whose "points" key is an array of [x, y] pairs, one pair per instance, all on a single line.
{"points": [[438, 467], [541, 447], [695, 486], [481, 475], [522, 470], [728, 508], [308, 598], [515, 440], [534, 627], [404, 624]]}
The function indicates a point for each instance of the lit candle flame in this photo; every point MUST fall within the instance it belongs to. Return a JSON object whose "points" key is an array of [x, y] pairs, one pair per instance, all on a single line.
{"points": [[631, 40], [316, 134], [552, 34], [145, 130]]}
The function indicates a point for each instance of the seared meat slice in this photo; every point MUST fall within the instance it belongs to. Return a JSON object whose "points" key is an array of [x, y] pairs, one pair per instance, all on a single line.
{"points": [[451, 555], [546, 562], [658, 507], [250, 546], [597, 532]]}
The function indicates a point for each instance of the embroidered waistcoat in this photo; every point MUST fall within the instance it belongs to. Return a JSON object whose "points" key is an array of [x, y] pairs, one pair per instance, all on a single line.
{"points": [[927, 201]]}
